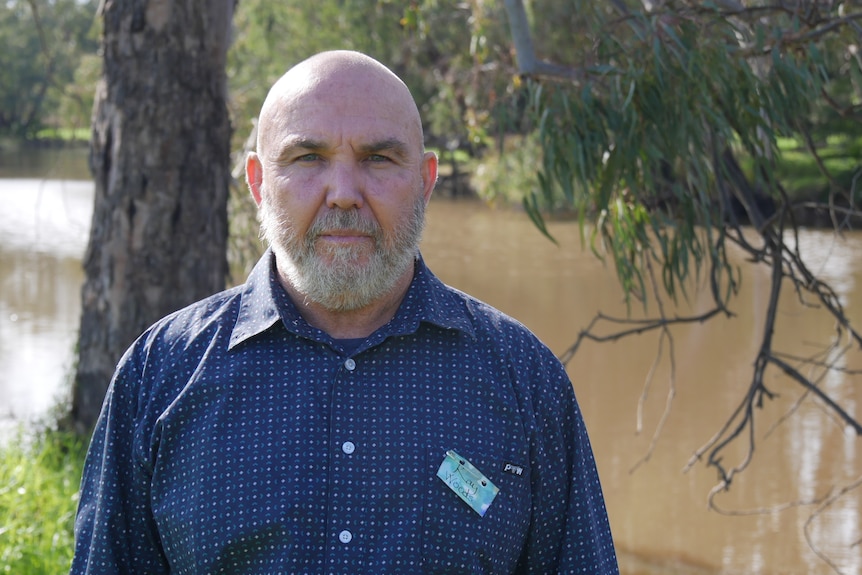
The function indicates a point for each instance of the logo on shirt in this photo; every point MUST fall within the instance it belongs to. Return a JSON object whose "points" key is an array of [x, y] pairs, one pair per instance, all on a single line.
{"points": [[513, 469]]}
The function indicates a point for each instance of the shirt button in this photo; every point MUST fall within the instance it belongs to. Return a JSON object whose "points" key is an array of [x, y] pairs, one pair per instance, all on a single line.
{"points": [[348, 447], [345, 536], [350, 364]]}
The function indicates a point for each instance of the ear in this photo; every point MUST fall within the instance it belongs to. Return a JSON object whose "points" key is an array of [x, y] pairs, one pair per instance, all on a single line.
{"points": [[429, 174], [254, 176]]}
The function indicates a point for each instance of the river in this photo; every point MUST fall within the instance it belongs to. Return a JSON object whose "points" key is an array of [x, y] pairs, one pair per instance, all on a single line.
{"points": [[658, 513]]}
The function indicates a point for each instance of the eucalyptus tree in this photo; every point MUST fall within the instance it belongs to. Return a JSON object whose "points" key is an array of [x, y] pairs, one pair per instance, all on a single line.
{"points": [[160, 158], [659, 123]]}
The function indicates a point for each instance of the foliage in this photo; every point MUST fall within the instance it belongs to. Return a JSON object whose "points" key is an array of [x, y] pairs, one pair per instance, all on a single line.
{"points": [[453, 55], [39, 480], [438, 47], [672, 128], [47, 66], [639, 142], [508, 174], [665, 125]]}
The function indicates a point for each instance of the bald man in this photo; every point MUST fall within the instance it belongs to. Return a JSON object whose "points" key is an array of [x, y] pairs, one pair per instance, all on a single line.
{"points": [[343, 411]]}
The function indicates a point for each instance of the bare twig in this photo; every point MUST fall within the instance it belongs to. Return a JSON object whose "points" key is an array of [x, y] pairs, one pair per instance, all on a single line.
{"points": [[821, 509], [813, 364], [671, 392], [826, 365], [808, 385], [640, 326], [763, 510], [802, 37]]}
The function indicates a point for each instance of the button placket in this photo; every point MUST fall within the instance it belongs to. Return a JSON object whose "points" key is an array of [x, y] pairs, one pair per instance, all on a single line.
{"points": [[343, 507]]}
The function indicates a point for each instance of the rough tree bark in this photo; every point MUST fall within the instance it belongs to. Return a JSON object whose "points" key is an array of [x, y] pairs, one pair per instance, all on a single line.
{"points": [[160, 157]]}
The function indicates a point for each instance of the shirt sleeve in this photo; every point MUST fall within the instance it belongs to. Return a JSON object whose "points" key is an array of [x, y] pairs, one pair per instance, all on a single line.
{"points": [[570, 532], [115, 532]]}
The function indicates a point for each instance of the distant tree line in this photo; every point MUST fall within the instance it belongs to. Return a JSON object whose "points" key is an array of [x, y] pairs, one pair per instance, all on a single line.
{"points": [[48, 65]]}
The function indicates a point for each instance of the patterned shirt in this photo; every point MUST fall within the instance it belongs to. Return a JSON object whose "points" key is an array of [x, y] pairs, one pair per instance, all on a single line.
{"points": [[236, 438]]}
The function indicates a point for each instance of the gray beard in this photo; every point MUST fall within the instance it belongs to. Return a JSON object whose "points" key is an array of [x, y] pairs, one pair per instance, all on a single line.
{"points": [[343, 283]]}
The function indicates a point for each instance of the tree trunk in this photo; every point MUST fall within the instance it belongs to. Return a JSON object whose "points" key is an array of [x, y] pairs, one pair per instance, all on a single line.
{"points": [[160, 157]]}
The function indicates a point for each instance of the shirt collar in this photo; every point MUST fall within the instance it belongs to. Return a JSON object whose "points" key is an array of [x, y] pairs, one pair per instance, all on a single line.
{"points": [[264, 301]]}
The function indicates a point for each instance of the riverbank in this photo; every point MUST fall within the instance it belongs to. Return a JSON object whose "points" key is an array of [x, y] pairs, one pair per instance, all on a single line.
{"points": [[49, 138], [50, 159], [504, 178], [39, 480]]}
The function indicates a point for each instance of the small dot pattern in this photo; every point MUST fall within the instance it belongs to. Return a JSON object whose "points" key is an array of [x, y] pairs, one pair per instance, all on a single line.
{"points": [[236, 439]]}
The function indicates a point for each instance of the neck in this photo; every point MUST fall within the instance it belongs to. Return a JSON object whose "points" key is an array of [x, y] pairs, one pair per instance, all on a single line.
{"points": [[356, 323]]}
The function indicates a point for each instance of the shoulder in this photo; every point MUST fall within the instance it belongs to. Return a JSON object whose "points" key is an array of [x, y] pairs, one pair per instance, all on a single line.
{"points": [[523, 368], [497, 331], [180, 332], [488, 320], [156, 366], [215, 311]]}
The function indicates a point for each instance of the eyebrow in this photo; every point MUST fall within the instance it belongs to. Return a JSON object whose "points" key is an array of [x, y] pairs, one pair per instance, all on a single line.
{"points": [[394, 145], [292, 146]]}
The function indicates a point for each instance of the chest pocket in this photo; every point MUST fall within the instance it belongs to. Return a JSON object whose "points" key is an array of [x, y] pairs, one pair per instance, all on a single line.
{"points": [[455, 538]]}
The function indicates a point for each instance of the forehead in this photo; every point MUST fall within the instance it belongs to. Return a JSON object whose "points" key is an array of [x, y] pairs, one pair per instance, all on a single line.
{"points": [[349, 107], [335, 119]]}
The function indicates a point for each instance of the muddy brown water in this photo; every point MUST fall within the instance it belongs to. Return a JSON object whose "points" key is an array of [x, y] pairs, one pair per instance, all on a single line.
{"points": [[659, 514]]}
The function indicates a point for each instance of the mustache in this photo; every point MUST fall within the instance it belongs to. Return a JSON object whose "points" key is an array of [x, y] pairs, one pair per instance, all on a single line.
{"points": [[348, 220]]}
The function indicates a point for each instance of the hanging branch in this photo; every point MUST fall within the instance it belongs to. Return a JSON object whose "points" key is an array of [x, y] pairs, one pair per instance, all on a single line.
{"points": [[654, 206], [665, 335]]}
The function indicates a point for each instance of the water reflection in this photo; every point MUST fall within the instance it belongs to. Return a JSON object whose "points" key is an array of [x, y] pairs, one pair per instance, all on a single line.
{"points": [[830, 258], [658, 514], [43, 234], [60, 163]]}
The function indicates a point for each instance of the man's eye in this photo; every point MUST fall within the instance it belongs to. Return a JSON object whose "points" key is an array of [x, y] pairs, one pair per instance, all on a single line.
{"points": [[308, 158], [378, 158]]}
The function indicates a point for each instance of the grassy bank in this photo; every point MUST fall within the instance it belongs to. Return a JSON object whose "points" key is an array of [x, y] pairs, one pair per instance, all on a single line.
{"points": [[505, 178], [39, 479]]}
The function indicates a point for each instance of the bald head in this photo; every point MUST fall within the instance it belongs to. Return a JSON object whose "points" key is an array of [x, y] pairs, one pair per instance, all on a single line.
{"points": [[342, 179], [344, 82]]}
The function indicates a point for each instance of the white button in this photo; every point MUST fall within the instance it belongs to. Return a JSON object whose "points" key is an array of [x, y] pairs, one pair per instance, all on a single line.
{"points": [[350, 364], [345, 536], [348, 447]]}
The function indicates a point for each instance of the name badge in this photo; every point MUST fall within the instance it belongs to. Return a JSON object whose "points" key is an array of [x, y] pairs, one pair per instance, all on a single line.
{"points": [[467, 482]]}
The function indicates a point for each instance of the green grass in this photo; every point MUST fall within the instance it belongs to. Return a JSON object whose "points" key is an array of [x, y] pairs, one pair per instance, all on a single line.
{"points": [[64, 134], [799, 172], [39, 480]]}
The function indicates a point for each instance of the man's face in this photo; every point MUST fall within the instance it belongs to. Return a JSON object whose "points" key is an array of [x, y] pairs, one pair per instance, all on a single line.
{"points": [[343, 187], [342, 275]]}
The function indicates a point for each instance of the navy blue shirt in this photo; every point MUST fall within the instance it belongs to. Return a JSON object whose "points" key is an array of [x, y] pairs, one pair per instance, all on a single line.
{"points": [[236, 438]]}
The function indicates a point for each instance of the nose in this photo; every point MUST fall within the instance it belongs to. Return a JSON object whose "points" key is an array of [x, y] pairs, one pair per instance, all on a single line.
{"points": [[345, 187]]}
